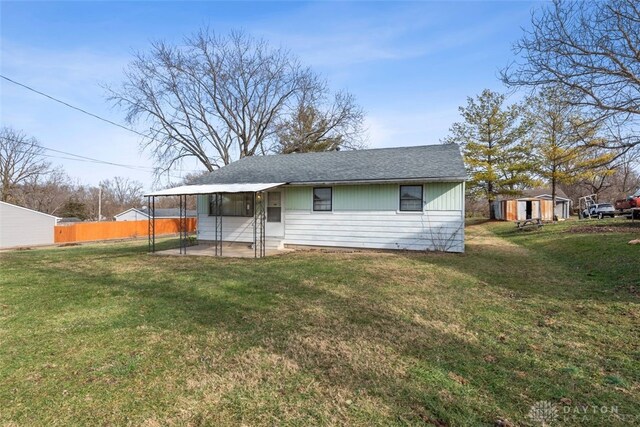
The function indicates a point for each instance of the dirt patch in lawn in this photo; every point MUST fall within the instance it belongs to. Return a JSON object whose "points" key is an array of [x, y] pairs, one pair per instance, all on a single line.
{"points": [[592, 229], [479, 237]]}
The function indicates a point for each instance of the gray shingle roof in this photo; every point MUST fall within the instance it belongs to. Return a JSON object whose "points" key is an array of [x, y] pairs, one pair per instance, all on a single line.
{"points": [[429, 162], [535, 192]]}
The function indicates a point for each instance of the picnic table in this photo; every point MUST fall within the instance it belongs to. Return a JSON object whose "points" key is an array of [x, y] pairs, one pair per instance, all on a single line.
{"points": [[529, 223]]}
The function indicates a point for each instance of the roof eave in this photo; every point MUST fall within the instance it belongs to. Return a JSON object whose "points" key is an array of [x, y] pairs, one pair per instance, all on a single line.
{"points": [[382, 181]]}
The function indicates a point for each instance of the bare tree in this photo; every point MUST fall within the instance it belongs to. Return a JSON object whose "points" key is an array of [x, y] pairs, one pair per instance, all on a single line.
{"points": [[120, 193], [321, 123], [21, 159], [215, 98], [122, 190], [610, 182], [591, 50], [46, 193]]}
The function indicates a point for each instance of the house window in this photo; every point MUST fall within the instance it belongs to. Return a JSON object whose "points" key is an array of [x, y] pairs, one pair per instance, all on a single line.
{"points": [[322, 199], [237, 204], [411, 198]]}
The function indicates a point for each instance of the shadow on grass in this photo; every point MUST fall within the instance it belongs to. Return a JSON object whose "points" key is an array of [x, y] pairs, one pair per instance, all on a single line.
{"points": [[548, 263], [326, 316], [332, 317]]}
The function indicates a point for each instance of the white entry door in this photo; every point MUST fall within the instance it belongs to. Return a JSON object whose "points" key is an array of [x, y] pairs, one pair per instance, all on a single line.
{"points": [[275, 217]]}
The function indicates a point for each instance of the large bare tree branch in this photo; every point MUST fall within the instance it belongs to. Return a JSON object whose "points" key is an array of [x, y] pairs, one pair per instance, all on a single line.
{"points": [[219, 98], [590, 50]]}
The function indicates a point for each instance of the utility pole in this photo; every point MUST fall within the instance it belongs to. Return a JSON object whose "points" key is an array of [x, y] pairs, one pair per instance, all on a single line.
{"points": [[100, 203]]}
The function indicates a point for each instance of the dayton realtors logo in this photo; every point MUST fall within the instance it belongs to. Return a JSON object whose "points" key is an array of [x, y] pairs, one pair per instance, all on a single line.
{"points": [[546, 413], [543, 412]]}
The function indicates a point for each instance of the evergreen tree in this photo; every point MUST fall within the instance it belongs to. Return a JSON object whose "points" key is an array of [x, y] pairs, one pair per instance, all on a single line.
{"points": [[74, 208], [495, 147], [566, 144]]}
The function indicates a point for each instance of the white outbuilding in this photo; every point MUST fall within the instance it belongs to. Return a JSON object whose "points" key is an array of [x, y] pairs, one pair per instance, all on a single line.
{"points": [[21, 227]]}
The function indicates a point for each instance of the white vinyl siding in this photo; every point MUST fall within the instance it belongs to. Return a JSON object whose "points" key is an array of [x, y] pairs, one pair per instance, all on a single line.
{"points": [[234, 228], [377, 230], [25, 227]]}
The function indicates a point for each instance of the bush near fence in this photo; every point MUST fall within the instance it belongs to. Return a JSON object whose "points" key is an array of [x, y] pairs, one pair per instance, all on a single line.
{"points": [[91, 231]]}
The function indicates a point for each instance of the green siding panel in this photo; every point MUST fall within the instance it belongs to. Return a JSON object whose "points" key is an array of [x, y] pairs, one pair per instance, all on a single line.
{"points": [[298, 198], [439, 196], [376, 197], [443, 196], [203, 204]]}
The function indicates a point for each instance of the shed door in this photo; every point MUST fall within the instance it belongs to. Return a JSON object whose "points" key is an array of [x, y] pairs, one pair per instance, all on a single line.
{"points": [[511, 207], [522, 210], [535, 209]]}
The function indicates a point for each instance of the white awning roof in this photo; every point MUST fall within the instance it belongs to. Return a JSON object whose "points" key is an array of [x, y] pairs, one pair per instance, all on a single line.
{"points": [[189, 190]]}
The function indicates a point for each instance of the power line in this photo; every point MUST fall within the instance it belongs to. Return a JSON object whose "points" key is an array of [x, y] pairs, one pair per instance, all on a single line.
{"points": [[73, 107], [94, 116], [86, 160], [79, 158], [91, 161], [105, 162]]}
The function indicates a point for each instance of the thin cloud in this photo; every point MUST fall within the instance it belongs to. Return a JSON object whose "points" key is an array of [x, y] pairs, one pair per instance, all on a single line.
{"points": [[375, 36]]}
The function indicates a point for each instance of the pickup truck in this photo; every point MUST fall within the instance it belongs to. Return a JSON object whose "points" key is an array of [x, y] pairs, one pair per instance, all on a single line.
{"points": [[628, 203]]}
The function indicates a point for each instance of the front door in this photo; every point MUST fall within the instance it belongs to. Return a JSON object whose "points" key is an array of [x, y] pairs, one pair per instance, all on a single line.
{"points": [[275, 224]]}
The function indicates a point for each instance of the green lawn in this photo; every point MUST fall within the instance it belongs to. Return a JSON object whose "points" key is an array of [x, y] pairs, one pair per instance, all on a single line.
{"points": [[105, 334]]}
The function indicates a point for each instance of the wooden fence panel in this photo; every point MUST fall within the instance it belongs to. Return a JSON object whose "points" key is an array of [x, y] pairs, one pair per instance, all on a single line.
{"points": [[91, 231]]}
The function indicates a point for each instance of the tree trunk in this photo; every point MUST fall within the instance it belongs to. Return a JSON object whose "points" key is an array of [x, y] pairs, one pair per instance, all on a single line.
{"points": [[491, 199], [553, 199]]}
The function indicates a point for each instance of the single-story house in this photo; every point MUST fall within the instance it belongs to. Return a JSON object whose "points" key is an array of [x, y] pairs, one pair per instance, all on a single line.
{"points": [[390, 198], [142, 214], [21, 227], [533, 203]]}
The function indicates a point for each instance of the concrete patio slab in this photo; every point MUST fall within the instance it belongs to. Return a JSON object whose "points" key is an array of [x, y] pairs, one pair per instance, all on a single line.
{"points": [[229, 250]]}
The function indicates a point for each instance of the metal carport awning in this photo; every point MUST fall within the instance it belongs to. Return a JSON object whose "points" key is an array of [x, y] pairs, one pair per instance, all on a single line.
{"points": [[194, 190], [216, 190]]}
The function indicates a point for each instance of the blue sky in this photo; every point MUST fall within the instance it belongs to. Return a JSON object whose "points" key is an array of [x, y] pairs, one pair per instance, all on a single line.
{"points": [[410, 64]]}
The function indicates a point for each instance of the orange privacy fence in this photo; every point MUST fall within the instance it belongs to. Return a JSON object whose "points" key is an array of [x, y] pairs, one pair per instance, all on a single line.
{"points": [[89, 231]]}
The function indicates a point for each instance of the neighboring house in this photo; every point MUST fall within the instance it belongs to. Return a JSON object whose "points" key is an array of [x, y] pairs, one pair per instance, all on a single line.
{"points": [[25, 227], [390, 198], [533, 203], [135, 214]]}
